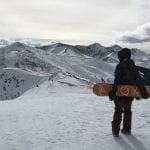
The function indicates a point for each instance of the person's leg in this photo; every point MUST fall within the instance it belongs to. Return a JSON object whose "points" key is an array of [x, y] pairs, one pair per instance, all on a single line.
{"points": [[117, 117], [127, 116]]}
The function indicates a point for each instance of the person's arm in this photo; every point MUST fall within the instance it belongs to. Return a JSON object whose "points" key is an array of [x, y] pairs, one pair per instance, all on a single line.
{"points": [[116, 80], [112, 94]]}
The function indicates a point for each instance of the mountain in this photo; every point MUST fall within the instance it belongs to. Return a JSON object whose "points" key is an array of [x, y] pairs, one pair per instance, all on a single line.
{"points": [[141, 58], [14, 82], [97, 51], [114, 48], [93, 50], [61, 49], [92, 63], [53, 59], [22, 56]]}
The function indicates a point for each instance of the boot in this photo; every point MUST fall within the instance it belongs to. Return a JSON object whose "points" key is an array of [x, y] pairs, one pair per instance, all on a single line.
{"points": [[128, 132], [115, 129], [127, 123], [116, 123]]}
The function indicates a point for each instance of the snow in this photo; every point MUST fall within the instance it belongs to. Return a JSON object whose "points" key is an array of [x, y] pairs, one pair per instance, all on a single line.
{"points": [[14, 82], [54, 107], [56, 116]]}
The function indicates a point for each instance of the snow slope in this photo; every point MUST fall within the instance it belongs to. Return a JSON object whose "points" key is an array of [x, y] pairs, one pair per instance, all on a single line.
{"points": [[58, 116], [14, 82]]}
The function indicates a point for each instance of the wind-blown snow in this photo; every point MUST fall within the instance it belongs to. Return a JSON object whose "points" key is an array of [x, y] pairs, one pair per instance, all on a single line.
{"points": [[57, 116]]}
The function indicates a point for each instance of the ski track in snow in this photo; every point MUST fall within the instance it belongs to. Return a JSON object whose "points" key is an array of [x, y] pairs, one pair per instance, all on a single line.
{"points": [[54, 117]]}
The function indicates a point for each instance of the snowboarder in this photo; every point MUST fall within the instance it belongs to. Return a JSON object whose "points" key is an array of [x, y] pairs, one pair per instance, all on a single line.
{"points": [[125, 73]]}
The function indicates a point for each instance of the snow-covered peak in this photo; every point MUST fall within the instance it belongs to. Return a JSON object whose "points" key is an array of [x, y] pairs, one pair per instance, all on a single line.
{"points": [[93, 50], [55, 45], [114, 48], [25, 57], [18, 44], [96, 45], [17, 47], [61, 49]]}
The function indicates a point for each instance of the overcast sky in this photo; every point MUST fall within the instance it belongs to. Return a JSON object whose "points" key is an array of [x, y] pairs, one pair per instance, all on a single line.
{"points": [[105, 21]]}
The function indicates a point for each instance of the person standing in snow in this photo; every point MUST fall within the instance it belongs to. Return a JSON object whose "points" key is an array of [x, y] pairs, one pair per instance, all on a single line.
{"points": [[126, 73]]}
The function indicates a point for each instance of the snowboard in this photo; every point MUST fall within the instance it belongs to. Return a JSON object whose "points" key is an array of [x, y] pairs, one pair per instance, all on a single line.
{"points": [[103, 89]]}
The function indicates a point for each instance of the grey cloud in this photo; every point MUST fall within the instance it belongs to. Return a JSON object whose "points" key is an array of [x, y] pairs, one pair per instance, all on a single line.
{"points": [[129, 39], [140, 35]]}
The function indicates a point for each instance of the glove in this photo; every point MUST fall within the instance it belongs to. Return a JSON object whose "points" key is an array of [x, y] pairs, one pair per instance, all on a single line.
{"points": [[112, 95], [143, 92], [137, 98], [145, 96]]}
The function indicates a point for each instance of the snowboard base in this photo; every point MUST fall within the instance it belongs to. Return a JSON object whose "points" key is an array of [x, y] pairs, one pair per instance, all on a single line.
{"points": [[103, 89]]}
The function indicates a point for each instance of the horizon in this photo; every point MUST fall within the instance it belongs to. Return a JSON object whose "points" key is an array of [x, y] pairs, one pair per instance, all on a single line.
{"points": [[28, 41]]}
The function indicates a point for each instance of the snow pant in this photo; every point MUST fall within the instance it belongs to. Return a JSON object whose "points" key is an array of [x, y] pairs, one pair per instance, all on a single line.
{"points": [[122, 106]]}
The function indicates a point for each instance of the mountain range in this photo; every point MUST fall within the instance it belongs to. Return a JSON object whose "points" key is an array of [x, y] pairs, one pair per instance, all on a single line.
{"points": [[90, 64]]}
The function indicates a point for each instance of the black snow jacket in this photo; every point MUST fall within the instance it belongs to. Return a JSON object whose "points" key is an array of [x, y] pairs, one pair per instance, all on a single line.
{"points": [[127, 73]]}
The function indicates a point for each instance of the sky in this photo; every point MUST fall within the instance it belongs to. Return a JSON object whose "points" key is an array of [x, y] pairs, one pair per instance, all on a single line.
{"points": [[124, 22]]}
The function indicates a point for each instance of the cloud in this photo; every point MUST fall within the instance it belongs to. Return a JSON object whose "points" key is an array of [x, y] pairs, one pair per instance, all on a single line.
{"points": [[86, 20], [140, 35], [82, 19]]}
